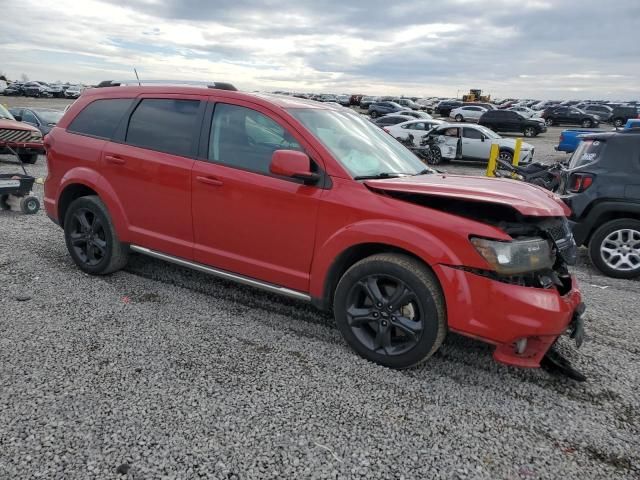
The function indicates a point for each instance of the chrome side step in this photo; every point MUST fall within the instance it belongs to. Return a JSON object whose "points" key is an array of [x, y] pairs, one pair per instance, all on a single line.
{"points": [[223, 274]]}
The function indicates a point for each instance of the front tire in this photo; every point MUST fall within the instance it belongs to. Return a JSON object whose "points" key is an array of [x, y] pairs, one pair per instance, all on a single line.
{"points": [[374, 114], [529, 132], [506, 156], [459, 118], [390, 309], [587, 123], [91, 238], [618, 122], [615, 248], [549, 122]]}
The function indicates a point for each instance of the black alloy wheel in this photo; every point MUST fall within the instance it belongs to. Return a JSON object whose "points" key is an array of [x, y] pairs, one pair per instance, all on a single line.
{"points": [[88, 237], [390, 309], [383, 314]]}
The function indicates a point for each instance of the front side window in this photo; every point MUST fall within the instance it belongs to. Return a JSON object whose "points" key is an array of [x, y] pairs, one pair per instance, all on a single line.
{"points": [[416, 126], [101, 117], [164, 124], [244, 138], [471, 133]]}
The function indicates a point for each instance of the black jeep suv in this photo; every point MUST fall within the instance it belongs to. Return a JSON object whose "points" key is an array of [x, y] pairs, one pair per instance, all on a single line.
{"points": [[602, 188], [509, 121]]}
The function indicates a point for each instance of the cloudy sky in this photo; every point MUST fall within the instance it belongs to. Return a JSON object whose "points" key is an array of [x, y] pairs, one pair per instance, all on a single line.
{"points": [[525, 48]]}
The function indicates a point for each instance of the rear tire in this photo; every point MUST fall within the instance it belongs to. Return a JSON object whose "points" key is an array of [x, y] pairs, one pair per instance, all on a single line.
{"points": [[614, 248], [529, 132], [618, 122], [374, 114], [30, 158], [587, 123], [459, 118], [549, 122], [390, 309], [91, 238]]}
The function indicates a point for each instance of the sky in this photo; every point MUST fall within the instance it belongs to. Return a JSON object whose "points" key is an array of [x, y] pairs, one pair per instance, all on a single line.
{"points": [[545, 49]]}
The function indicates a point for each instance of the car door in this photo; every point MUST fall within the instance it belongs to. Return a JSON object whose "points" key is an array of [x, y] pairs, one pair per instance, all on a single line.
{"points": [[149, 169], [512, 122], [246, 219], [574, 116], [474, 145], [561, 115], [448, 140]]}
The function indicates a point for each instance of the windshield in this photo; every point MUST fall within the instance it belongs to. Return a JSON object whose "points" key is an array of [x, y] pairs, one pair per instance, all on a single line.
{"points": [[49, 116], [361, 147], [588, 151], [4, 114], [487, 132]]}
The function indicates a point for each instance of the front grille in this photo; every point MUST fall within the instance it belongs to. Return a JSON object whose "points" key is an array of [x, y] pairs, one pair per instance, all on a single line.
{"points": [[562, 236], [8, 135]]}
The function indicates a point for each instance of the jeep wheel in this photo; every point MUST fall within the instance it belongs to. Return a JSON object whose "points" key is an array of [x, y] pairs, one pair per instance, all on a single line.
{"points": [[390, 310], [587, 123], [459, 118], [615, 248], [618, 122], [549, 122], [529, 132], [91, 238]]}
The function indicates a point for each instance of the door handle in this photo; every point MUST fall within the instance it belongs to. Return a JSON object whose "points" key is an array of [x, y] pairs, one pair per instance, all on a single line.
{"points": [[210, 181], [114, 159]]}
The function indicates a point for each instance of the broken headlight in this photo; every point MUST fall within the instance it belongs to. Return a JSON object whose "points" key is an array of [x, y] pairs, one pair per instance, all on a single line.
{"points": [[517, 256]]}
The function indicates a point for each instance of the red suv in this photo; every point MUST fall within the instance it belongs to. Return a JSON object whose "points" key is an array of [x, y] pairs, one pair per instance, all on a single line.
{"points": [[314, 202]]}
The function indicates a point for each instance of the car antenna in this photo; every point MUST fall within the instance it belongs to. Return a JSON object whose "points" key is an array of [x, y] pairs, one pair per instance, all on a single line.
{"points": [[136, 72]]}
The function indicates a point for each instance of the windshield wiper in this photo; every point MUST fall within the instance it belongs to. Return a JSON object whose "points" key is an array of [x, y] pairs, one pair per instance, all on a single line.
{"points": [[424, 172], [382, 175]]}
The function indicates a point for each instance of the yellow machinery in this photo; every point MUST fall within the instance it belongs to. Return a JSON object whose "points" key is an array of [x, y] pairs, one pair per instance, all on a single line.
{"points": [[475, 95]]}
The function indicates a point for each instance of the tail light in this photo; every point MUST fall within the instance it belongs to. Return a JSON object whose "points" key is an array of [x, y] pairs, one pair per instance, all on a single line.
{"points": [[579, 182], [561, 137]]}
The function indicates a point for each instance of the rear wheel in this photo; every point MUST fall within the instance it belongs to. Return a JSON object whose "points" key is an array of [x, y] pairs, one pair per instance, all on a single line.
{"points": [[615, 248], [390, 310], [586, 123], [28, 157], [91, 238], [459, 118], [529, 132], [618, 122], [374, 114], [549, 122]]}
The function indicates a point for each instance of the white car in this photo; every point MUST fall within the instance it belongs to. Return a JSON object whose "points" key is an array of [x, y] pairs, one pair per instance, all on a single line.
{"points": [[473, 142], [467, 113], [73, 91], [416, 128], [414, 114], [526, 112]]}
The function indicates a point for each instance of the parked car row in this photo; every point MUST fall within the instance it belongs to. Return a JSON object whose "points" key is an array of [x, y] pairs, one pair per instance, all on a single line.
{"points": [[43, 89]]}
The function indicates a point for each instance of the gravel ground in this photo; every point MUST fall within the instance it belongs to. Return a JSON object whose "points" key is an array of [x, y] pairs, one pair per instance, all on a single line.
{"points": [[161, 372]]}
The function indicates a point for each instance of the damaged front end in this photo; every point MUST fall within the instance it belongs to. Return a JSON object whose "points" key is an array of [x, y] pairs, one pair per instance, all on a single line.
{"points": [[526, 298]]}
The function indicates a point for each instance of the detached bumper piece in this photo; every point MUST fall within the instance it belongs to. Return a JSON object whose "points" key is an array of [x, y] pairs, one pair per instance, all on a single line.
{"points": [[554, 362]]}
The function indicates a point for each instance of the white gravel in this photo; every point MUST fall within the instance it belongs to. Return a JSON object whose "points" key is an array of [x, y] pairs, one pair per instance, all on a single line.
{"points": [[160, 372]]}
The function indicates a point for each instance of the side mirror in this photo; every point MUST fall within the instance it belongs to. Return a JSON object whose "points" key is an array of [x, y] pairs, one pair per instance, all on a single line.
{"points": [[18, 118], [293, 164]]}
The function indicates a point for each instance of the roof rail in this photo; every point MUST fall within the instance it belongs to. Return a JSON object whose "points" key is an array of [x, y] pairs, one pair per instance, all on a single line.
{"points": [[189, 83]]}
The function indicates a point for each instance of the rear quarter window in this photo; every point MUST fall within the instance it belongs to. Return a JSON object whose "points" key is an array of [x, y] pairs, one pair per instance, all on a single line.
{"points": [[588, 151], [100, 118]]}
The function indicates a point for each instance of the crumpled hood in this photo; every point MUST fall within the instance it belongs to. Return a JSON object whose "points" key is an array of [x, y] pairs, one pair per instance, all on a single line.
{"points": [[526, 199], [15, 125]]}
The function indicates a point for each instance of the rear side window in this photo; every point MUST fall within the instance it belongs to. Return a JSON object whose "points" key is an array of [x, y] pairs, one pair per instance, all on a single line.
{"points": [[166, 125], [588, 151], [100, 118]]}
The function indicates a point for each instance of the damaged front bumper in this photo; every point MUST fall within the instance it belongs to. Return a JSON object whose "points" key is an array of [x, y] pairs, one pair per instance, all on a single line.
{"points": [[522, 321]]}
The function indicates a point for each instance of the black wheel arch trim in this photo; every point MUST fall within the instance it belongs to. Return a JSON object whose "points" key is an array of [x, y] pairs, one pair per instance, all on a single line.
{"points": [[584, 227]]}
